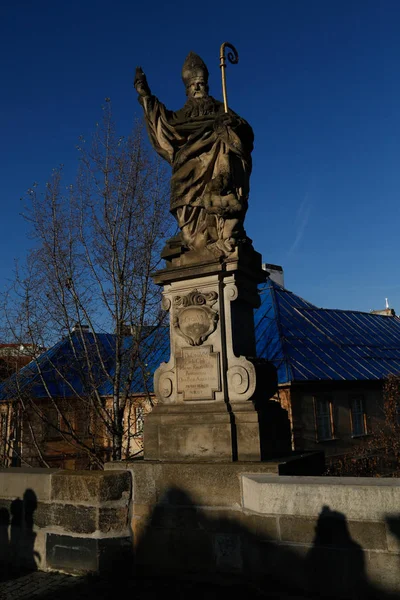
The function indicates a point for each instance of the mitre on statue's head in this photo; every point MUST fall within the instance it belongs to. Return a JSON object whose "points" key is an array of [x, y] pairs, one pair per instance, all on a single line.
{"points": [[193, 67]]}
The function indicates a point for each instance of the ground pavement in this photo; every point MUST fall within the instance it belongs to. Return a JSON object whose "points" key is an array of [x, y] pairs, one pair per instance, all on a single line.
{"points": [[58, 586]]}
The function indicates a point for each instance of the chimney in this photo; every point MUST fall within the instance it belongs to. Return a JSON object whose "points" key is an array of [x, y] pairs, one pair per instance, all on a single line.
{"points": [[80, 327], [275, 273], [386, 312], [125, 329]]}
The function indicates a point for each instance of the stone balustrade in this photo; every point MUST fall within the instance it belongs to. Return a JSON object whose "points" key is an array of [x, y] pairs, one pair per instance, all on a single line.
{"points": [[75, 521], [335, 537]]}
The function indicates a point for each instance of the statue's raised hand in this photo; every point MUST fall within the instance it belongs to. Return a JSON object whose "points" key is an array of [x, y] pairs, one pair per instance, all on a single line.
{"points": [[140, 83]]}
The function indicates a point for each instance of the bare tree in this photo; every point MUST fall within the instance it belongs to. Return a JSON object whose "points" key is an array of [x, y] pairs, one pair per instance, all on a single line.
{"points": [[89, 274]]}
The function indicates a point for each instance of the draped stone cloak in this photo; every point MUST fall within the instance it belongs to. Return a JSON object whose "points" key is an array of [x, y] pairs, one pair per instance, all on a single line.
{"points": [[211, 162]]}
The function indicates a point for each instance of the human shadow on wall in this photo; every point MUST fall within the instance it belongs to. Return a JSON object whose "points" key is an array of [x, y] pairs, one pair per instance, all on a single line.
{"points": [[336, 562], [226, 548], [17, 537], [393, 523], [185, 551]]}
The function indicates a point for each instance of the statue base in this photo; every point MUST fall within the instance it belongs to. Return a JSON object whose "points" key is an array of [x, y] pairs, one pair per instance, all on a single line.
{"points": [[213, 393], [216, 432]]}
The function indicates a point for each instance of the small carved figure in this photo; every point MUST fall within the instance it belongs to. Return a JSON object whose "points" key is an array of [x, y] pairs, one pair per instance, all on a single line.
{"points": [[210, 154]]}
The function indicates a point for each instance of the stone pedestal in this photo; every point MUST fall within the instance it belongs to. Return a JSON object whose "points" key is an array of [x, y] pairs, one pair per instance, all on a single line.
{"points": [[213, 392]]}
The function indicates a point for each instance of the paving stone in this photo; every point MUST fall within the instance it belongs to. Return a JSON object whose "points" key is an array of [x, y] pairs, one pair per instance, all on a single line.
{"points": [[58, 586]]}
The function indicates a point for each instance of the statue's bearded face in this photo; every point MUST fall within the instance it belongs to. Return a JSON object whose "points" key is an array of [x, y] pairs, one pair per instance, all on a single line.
{"points": [[197, 88], [198, 102]]}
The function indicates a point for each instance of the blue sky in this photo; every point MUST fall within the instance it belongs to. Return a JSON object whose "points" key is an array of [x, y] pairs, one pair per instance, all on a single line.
{"points": [[318, 80]]}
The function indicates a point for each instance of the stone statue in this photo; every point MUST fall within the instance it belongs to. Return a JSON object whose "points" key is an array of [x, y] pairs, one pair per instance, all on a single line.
{"points": [[210, 154]]}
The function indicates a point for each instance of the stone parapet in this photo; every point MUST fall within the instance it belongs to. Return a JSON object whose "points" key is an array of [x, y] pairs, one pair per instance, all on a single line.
{"points": [[348, 529], [319, 536], [361, 498], [75, 521]]}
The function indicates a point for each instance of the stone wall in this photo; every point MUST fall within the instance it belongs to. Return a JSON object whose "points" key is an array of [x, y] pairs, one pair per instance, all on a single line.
{"points": [[75, 521], [345, 532], [334, 537], [329, 536]]}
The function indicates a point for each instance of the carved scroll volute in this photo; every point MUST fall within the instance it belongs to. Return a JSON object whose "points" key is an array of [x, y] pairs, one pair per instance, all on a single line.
{"points": [[166, 385], [194, 318], [165, 303], [241, 380]]}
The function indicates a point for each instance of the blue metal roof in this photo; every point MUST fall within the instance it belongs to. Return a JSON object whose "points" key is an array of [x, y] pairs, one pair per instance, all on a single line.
{"points": [[305, 342], [63, 370]]}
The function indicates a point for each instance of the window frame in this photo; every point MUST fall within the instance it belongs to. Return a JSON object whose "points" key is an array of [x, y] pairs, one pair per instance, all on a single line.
{"points": [[139, 419], [52, 428], [318, 399], [361, 413]]}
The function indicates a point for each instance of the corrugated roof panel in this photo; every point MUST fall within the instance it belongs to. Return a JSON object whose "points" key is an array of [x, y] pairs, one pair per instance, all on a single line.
{"points": [[63, 370], [303, 342], [326, 344]]}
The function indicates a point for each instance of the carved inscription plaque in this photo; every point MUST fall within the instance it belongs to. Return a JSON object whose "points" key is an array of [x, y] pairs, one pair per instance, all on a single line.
{"points": [[198, 373]]}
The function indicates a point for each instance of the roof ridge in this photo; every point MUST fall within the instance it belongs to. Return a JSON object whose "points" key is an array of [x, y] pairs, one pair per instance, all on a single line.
{"points": [[280, 288]]}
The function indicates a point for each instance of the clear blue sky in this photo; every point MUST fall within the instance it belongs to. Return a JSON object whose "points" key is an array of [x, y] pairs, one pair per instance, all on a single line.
{"points": [[318, 80]]}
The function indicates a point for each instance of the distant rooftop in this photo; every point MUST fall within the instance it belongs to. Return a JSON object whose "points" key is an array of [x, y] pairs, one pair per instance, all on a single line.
{"points": [[304, 342], [309, 343]]}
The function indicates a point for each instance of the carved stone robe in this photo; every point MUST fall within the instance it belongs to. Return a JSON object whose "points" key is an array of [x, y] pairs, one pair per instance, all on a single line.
{"points": [[211, 162]]}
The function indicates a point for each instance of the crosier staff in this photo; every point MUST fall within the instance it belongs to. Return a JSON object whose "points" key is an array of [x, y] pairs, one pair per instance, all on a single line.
{"points": [[233, 58]]}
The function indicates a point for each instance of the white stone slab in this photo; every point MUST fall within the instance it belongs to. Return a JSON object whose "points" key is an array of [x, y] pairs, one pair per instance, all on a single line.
{"points": [[358, 498]]}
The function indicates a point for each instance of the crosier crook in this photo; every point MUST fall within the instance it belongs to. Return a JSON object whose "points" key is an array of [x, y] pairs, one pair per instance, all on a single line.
{"points": [[233, 58]]}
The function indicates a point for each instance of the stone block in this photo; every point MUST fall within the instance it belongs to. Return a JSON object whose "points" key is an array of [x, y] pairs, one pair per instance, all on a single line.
{"points": [[303, 530], [90, 486], [175, 551], [175, 517], [16, 480], [195, 442], [336, 572], [39, 548], [140, 510], [76, 519], [220, 521], [139, 526], [274, 563], [201, 484], [248, 441], [82, 554], [369, 534], [69, 517], [358, 498], [383, 570], [113, 520], [228, 552], [188, 433], [393, 533], [80, 519], [42, 515], [265, 528]]}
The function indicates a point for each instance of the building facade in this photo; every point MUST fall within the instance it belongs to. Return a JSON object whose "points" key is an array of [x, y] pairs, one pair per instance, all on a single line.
{"points": [[330, 365]]}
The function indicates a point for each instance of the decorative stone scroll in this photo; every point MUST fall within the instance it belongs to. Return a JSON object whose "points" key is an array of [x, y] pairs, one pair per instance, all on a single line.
{"points": [[194, 319], [241, 377]]}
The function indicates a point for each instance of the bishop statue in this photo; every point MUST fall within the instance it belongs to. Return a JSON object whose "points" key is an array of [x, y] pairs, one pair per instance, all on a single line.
{"points": [[209, 150]]}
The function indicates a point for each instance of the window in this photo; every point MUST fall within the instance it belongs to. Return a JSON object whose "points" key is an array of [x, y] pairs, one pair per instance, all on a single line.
{"points": [[139, 414], [52, 424], [358, 417], [3, 432], [323, 418], [81, 422], [397, 413]]}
